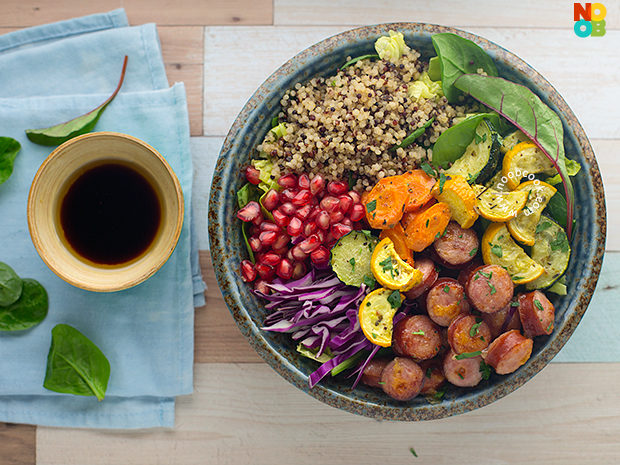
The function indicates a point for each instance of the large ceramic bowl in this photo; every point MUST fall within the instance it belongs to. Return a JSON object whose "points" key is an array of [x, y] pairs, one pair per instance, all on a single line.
{"points": [[227, 249]]}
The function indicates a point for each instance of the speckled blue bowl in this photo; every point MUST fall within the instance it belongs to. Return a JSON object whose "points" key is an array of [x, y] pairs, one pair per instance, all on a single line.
{"points": [[227, 249]]}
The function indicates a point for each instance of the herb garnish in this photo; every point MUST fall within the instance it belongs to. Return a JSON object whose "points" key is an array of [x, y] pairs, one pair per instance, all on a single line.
{"points": [[352, 262], [394, 299], [369, 281], [428, 169], [538, 304], [413, 451], [492, 287], [542, 226], [446, 289], [467, 355], [497, 250], [418, 333], [370, 206], [485, 370], [473, 331], [473, 251], [429, 372], [442, 180]]}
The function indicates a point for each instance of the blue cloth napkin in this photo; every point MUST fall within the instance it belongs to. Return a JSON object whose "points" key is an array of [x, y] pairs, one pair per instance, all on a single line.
{"points": [[57, 72]]}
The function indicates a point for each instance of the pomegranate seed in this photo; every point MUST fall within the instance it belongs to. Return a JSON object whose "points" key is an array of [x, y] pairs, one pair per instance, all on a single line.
{"points": [[267, 238], [357, 212], [347, 222], [303, 182], [299, 270], [355, 196], [288, 181], [288, 208], [269, 226], [344, 204], [252, 175], [338, 230], [254, 230], [289, 256], [271, 259], [248, 273], [259, 219], [271, 199], [329, 239], [255, 244], [250, 212], [281, 241], [262, 287], [280, 250], [321, 235], [337, 187], [320, 255], [303, 212], [280, 218], [288, 194], [336, 216], [315, 211], [317, 184], [303, 197], [298, 254], [310, 228], [329, 203], [294, 227], [322, 220], [309, 244], [264, 271], [285, 269]]}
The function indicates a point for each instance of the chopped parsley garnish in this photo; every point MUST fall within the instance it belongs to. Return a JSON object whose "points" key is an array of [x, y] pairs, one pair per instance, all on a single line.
{"points": [[473, 251], [428, 169], [485, 370], [370, 206], [381, 382], [442, 180], [559, 243], [438, 395], [438, 235], [549, 327], [369, 281], [467, 355], [387, 265], [418, 333], [446, 289], [514, 304], [486, 275], [394, 299], [538, 304], [374, 335], [474, 328], [427, 222], [542, 226], [412, 450], [497, 250], [492, 287], [429, 372], [352, 262], [518, 278], [461, 376]]}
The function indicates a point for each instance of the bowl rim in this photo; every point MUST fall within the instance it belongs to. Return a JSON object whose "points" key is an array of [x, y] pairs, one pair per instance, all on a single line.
{"points": [[169, 246], [279, 362]]}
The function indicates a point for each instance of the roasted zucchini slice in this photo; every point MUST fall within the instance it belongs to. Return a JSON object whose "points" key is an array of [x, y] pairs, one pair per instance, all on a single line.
{"points": [[551, 250], [524, 159], [523, 226], [498, 248], [513, 139], [498, 206], [481, 156]]}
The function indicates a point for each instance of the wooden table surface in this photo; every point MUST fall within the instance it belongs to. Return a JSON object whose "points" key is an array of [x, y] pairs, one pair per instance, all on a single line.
{"points": [[242, 412]]}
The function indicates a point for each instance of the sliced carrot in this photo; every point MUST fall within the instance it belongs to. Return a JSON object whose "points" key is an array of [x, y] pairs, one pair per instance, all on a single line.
{"points": [[386, 202], [408, 216], [364, 198], [397, 235], [426, 226], [419, 185]]}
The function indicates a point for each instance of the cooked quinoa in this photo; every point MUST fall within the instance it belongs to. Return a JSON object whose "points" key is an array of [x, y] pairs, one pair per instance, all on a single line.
{"points": [[343, 126]]}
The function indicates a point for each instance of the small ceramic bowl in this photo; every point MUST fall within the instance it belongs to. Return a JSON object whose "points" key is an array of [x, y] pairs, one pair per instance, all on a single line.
{"points": [[227, 246], [52, 181]]}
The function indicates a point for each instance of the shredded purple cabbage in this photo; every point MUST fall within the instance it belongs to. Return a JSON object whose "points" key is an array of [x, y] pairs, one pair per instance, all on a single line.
{"points": [[320, 312]]}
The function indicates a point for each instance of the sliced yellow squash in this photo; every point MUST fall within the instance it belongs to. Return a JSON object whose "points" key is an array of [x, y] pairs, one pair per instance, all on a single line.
{"points": [[460, 197], [376, 314], [496, 183], [551, 250], [498, 248], [523, 159], [513, 139], [390, 270], [498, 206], [523, 226]]}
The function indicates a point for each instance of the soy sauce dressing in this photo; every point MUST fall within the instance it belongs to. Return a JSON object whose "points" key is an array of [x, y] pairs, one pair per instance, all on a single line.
{"points": [[110, 214]]}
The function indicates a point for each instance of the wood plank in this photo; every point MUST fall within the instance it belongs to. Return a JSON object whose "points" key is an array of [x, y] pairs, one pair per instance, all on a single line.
{"points": [[526, 13], [182, 44], [598, 64], [191, 75], [17, 13], [18, 444], [568, 414]]}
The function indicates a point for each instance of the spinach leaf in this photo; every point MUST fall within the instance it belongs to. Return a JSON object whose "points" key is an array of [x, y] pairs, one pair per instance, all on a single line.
{"points": [[410, 139], [10, 285], [60, 133], [526, 111], [451, 144], [75, 365], [245, 195], [458, 56], [9, 148], [27, 311], [360, 58], [557, 208]]}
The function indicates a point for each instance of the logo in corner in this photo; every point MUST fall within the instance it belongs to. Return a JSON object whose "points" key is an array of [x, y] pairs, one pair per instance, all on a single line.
{"points": [[589, 19]]}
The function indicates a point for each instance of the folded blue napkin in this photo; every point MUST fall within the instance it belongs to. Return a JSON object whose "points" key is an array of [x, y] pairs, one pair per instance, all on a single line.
{"points": [[58, 72]]}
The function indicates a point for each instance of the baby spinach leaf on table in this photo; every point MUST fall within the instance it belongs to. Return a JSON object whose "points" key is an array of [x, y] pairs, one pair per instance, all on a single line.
{"points": [[75, 365], [451, 144], [526, 111], [410, 139], [60, 133], [360, 58], [9, 148], [10, 285], [27, 311], [458, 56]]}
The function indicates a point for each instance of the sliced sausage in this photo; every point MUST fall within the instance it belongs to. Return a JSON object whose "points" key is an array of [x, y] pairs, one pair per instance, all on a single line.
{"points": [[457, 246], [490, 288], [468, 271], [464, 372], [508, 352], [429, 276], [402, 379], [445, 301], [417, 337], [373, 371], [468, 333], [537, 314], [503, 320], [433, 377]]}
